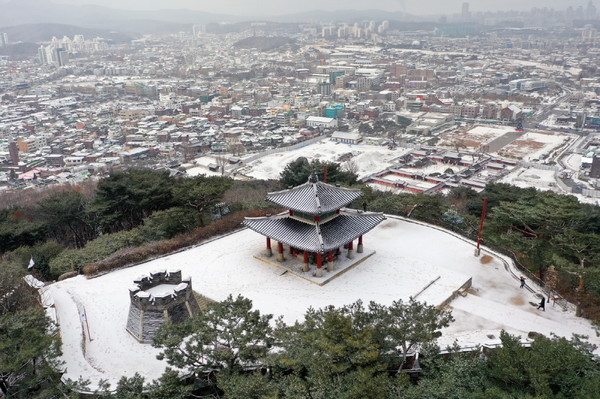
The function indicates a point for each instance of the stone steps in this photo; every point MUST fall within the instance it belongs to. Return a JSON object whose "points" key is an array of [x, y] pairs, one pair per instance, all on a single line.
{"points": [[203, 301]]}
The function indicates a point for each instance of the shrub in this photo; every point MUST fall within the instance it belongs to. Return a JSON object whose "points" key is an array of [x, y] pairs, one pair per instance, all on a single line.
{"points": [[131, 255], [67, 275], [95, 250], [41, 253], [168, 223]]}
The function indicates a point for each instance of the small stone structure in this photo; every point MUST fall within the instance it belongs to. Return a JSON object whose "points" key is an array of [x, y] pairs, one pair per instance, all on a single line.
{"points": [[156, 298]]}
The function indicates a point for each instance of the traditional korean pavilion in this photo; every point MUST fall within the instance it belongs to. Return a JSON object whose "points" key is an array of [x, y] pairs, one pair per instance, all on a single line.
{"points": [[316, 225]]}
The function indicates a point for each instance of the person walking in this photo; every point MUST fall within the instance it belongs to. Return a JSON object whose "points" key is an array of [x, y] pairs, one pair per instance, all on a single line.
{"points": [[522, 281], [542, 304]]}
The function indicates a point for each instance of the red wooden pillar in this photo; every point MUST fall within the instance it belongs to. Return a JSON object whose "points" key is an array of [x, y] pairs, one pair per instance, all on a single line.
{"points": [[305, 262], [269, 250], [359, 247], [350, 254], [330, 261], [280, 252], [319, 265]]}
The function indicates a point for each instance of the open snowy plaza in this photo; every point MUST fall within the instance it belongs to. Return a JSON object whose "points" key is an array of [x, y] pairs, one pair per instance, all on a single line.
{"points": [[410, 260], [368, 159], [534, 145], [476, 137], [505, 141]]}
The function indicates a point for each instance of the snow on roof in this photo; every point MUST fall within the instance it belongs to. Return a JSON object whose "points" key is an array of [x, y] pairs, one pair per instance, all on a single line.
{"points": [[346, 135], [321, 119], [314, 198], [409, 256], [514, 108], [323, 237]]}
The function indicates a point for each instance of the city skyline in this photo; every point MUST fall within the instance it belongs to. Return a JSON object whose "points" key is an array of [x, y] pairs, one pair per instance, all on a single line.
{"points": [[274, 7]]}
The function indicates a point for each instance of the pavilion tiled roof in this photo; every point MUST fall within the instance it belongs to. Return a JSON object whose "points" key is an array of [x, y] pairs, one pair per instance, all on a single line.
{"points": [[315, 197], [317, 237]]}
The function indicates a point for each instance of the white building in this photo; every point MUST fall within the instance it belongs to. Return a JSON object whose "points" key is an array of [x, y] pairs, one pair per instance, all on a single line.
{"points": [[346, 137], [321, 122]]}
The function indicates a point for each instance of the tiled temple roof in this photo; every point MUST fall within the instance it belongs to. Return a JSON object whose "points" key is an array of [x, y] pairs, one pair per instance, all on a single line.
{"points": [[317, 237], [314, 197]]}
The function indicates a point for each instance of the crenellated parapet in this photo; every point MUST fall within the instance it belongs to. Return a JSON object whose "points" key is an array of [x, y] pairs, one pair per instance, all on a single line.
{"points": [[157, 278], [176, 290], [156, 298]]}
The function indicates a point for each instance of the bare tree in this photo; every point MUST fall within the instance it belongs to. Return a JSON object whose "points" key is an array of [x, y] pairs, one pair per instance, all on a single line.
{"points": [[236, 148], [351, 166], [222, 162], [458, 144]]}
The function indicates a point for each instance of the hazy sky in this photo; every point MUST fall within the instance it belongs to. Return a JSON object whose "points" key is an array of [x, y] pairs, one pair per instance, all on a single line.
{"points": [[275, 7]]}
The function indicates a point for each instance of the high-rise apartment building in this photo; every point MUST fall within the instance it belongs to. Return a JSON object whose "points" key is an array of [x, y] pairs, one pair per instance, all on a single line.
{"points": [[53, 55], [197, 30], [3, 39], [465, 14]]}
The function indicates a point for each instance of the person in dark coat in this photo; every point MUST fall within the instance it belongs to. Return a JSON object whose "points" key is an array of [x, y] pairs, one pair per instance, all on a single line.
{"points": [[542, 304], [522, 281]]}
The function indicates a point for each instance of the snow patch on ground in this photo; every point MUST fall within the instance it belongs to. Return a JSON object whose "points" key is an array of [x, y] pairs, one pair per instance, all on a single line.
{"points": [[533, 145], [408, 257], [530, 177], [368, 159], [475, 137]]}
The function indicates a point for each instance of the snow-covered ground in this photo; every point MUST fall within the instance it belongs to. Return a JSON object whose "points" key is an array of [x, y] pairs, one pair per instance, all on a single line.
{"points": [[408, 257], [544, 180], [532, 145], [201, 165], [544, 66], [531, 177], [367, 158], [552, 123], [475, 137], [572, 161]]}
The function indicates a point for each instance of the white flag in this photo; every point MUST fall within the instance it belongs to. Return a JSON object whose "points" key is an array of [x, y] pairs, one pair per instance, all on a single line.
{"points": [[31, 263]]}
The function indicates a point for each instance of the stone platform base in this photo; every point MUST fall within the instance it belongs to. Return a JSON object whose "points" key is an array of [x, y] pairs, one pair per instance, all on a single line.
{"points": [[294, 266]]}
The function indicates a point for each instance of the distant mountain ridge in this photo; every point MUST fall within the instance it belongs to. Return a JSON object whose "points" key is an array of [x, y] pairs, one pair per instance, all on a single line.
{"points": [[20, 12], [35, 33], [343, 15]]}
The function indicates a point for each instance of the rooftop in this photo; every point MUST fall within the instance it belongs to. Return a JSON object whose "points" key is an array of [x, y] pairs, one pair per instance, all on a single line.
{"points": [[322, 237], [314, 197]]}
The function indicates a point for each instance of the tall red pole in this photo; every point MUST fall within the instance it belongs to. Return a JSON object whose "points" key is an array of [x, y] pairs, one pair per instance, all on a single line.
{"points": [[481, 223], [269, 250], [324, 173]]}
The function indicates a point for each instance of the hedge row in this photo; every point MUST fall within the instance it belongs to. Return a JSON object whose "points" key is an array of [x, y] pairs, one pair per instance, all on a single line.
{"points": [[74, 259], [132, 255]]}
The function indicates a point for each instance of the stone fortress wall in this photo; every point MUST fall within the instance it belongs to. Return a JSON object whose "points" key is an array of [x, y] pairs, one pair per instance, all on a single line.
{"points": [[148, 311]]}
